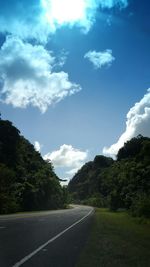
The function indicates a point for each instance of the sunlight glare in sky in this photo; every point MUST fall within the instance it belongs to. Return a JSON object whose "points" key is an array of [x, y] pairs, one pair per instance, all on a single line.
{"points": [[64, 11]]}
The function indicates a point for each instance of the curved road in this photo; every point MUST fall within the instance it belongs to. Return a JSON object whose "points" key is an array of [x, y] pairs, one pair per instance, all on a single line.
{"points": [[44, 239]]}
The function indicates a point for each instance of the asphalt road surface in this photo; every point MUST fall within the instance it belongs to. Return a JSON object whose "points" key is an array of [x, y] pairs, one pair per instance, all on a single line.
{"points": [[44, 239]]}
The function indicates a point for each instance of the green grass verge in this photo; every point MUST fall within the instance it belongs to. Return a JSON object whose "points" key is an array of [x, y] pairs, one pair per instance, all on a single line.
{"points": [[117, 240]]}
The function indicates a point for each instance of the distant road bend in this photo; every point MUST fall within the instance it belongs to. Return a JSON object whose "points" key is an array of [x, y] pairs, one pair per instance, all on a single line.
{"points": [[44, 239]]}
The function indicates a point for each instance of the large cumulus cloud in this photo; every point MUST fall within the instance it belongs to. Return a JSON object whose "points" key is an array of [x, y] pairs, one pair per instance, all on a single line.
{"points": [[27, 76], [23, 18], [38, 18], [80, 12], [138, 122], [68, 158]]}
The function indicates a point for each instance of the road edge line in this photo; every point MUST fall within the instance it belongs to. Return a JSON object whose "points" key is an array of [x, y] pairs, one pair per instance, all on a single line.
{"points": [[29, 256]]}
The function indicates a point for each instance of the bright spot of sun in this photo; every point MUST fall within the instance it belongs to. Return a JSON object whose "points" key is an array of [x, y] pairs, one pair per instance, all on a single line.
{"points": [[64, 11]]}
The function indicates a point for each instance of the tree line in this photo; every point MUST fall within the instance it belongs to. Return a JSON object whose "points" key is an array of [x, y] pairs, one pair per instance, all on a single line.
{"points": [[123, 183], [27, 182]]}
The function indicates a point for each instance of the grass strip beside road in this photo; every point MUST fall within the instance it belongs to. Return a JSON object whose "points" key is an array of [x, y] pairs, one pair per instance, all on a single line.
{"points": [[117, 239]]}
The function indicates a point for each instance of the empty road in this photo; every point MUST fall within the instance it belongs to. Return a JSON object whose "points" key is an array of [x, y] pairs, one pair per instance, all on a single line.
{"points": [[44, 239]]}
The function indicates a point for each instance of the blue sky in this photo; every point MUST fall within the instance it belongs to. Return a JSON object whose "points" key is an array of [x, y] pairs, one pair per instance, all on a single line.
{"points": [[75, 83]]}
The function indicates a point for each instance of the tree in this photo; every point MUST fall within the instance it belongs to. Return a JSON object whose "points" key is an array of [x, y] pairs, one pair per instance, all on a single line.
{"points": [[9, 138], [27, 182], [8, 201], [124, 183]]}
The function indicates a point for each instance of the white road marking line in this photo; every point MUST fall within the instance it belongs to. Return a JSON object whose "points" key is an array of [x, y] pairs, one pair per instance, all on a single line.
{"points": [[19, 263]]}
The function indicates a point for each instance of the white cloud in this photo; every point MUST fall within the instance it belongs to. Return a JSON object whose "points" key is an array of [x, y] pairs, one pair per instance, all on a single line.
{"points": [[138, 122], [37, 19], [72, 172], [67, 157], [67, 160], [27, 76], [62, 57], [37, 146], [100, 59], [80, 12], [24, 19]]}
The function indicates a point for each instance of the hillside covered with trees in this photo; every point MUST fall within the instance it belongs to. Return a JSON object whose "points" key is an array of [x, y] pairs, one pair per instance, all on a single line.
{"points": [[123, 183], [27, 182]]}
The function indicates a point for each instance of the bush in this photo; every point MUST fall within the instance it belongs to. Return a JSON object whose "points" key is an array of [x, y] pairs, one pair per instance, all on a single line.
{"points": [[114, 201], [141, 206], [8, 204], [8, 200], [95, 201]]}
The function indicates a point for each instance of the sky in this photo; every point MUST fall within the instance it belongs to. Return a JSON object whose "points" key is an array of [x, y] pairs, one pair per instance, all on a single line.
{"points": [[75, 76]]}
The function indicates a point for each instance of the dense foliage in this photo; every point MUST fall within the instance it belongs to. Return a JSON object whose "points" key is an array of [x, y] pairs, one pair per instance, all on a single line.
{"points": [[124, 183], [27, 182]]}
